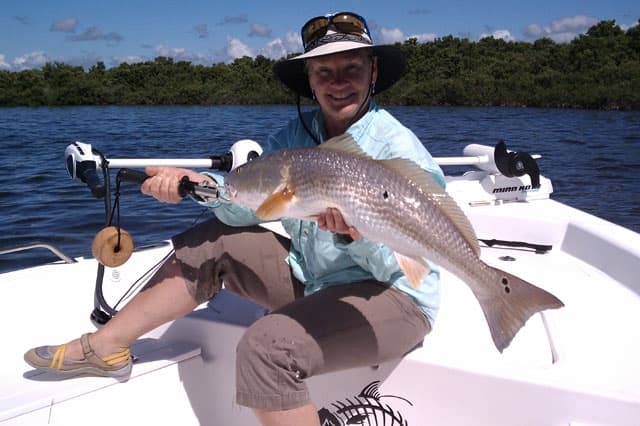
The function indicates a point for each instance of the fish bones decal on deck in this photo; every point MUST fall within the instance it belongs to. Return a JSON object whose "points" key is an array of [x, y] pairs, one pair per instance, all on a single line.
{"points": [[365, 408]]}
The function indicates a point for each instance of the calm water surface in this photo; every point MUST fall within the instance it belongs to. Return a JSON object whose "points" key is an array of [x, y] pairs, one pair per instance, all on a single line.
{"points": [[592, 158]]}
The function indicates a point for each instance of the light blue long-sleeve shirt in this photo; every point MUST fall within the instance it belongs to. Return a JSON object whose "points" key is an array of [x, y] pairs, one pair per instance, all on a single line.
{"points": [[320, 258]]}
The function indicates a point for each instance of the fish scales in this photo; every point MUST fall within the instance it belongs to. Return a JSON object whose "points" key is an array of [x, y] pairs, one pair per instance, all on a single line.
{"points": [[372, 198]]}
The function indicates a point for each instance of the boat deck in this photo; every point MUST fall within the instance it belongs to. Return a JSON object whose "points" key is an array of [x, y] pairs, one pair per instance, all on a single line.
{"points": [[576, 365]]}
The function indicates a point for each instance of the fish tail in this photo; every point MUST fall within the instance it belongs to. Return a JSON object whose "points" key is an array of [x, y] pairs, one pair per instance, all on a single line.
{"points": [[515, 301]]}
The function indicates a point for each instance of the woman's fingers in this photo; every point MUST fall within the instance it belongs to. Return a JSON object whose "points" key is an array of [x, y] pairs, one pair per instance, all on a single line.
{"points": [[163, 182], [332, 220]]}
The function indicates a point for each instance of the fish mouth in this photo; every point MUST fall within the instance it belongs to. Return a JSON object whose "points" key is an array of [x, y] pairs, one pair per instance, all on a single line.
{"points": [[230, 191]]}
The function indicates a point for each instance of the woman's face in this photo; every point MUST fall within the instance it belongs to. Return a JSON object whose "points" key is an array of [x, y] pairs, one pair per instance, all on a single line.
{"points": [[341, 84]]}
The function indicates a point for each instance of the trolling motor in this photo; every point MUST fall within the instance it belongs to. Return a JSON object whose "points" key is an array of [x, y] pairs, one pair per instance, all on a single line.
{"points": [[508, 163], [113, 246], [497, 160], [502, 176]]}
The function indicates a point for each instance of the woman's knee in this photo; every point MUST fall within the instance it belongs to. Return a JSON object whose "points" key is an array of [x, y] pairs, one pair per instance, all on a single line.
{"points": [[272, 349], [269, 375]]}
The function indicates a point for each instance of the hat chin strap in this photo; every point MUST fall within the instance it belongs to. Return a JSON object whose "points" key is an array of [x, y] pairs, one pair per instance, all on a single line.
{"points": [[301, 118]]}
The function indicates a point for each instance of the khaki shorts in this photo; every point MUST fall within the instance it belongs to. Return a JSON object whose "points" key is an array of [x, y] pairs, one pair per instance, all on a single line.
{"points": [[339, 327]]}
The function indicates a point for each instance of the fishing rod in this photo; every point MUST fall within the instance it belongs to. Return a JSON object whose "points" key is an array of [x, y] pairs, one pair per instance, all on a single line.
{"points": [[112, 246]]}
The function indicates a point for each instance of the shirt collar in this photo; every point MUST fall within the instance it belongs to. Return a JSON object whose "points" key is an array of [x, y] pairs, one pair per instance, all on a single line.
{"points": [[356, 130]]}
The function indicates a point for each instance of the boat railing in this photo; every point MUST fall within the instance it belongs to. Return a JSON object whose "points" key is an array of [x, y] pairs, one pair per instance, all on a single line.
{"points": [[55, 250]]}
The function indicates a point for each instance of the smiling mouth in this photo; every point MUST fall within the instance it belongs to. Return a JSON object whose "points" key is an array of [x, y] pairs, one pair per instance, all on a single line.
{"points": [[342, 98]]}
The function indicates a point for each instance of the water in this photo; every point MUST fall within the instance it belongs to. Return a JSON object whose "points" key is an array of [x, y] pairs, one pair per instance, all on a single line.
{"points": [[592, 158]]}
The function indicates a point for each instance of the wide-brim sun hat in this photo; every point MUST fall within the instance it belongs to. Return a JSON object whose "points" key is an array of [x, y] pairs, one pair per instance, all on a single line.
{"points": [[391, 59]]}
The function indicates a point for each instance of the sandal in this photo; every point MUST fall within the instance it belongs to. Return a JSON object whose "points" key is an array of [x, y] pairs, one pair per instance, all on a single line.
{"points": [[92, 365]]}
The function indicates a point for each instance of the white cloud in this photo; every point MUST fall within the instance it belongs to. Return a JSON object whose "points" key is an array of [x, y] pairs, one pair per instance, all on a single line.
{"points": [[67, 25], [395, 35], [279, 48], [293, 42], [275, 49], [38, 59], [131, 59], [535, 31], [169, 52], [236, 49], [86, 60], [563, 37], [499, 34], [29, 61], [176, 53], [3, 64], [573, 24], [181, 54], [424, 37], [390, 36], [561, 30]]}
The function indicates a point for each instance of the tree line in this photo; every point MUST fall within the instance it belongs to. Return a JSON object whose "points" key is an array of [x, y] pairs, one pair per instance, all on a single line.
{"points": [[599, 69]]}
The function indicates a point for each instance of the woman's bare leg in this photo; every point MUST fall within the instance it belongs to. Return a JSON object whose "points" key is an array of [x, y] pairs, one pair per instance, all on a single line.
{"points": [[307, 415], [164, 298]]}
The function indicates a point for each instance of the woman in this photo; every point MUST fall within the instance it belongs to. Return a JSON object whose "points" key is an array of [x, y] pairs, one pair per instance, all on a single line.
{"points": [[337, 300]]}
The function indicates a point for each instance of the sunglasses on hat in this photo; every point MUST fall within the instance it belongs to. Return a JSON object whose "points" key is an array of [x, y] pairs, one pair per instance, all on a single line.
{"points": [[343, 22]]}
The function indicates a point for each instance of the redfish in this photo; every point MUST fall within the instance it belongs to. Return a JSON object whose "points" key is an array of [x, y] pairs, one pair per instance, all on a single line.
{"points": [[393, 202]]}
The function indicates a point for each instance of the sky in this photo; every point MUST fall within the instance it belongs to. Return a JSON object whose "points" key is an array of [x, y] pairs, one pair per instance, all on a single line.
{"points": [[83, 32]]}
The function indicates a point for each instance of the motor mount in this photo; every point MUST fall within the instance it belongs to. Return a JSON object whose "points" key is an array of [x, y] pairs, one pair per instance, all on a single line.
{"points": [[499, 159], [82, 164]]}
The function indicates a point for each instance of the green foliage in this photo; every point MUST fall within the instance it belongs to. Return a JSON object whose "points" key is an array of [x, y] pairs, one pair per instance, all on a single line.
{"points": [[600, 69]]}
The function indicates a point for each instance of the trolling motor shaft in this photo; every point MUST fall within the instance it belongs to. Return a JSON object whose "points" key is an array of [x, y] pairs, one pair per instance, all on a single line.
{"points": [[83, 161]]}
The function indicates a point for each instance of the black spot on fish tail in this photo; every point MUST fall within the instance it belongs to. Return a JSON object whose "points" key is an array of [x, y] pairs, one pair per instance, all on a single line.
{"points": [[509, 309]]}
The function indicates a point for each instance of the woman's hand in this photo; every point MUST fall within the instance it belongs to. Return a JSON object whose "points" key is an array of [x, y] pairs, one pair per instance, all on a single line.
{"points": [[163, 182], [333, 221]]}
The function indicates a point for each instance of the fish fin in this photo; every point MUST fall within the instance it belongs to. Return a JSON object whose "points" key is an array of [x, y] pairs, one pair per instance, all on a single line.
{"points": [[511, 304], [437, 194], [344, 143], [414, 269], [275, 205]]}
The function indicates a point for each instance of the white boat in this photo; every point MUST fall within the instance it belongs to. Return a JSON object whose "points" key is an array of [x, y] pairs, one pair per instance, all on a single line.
{"points": [[578, 365]]}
